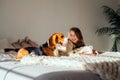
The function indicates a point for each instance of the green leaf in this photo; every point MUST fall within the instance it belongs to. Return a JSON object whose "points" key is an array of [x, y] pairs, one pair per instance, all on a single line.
{"points": [[113, 31], [104, 30], [112, 16]]}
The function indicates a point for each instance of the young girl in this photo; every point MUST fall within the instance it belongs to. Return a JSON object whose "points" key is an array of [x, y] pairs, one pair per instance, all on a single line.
{"points": [[75, 39]]}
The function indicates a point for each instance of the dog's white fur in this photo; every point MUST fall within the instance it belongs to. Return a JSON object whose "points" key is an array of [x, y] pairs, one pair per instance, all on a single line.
{"points": [[60, 47]]}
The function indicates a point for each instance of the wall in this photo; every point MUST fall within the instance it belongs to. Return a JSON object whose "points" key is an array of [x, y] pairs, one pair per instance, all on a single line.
{"points": [[38, 19]]}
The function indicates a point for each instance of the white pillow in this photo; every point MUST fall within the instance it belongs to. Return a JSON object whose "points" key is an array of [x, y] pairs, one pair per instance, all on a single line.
{"points": [[5, 44]]}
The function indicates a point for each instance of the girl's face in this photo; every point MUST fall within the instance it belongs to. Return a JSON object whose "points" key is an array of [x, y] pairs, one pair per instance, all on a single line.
{"points": [[72, 36]]}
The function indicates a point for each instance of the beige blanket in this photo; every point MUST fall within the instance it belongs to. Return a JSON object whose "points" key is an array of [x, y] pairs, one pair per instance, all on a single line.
{"points": [[107, 65]]}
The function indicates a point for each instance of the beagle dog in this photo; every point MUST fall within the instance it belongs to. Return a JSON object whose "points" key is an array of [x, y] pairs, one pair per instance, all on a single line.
{"points": [[56, 43], [48, 49]]}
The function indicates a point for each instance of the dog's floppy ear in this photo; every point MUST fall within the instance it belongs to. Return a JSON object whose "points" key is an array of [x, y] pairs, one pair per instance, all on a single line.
{"points": [[56, 39], [52, 40]]}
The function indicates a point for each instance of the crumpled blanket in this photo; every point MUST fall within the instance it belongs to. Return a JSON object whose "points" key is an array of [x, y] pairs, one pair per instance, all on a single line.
{"points": [[8, 56], [107, 65]]}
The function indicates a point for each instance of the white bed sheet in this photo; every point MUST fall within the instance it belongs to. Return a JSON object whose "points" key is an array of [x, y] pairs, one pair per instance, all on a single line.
{"points": [[12, 70]]}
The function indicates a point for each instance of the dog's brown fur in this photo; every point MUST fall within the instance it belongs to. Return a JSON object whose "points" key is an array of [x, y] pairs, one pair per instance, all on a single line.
{"points": [[56, 38]]}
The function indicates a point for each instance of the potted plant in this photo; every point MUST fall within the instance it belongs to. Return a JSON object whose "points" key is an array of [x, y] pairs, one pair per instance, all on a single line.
{"points": [[113, 31]]}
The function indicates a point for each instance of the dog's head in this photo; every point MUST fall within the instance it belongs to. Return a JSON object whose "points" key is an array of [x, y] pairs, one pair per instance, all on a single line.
{"points": [[56, 42], [56, 38]]}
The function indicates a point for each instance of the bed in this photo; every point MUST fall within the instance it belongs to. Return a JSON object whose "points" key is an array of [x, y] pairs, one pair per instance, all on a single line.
{"points": [[101, 67], [60, 68]]}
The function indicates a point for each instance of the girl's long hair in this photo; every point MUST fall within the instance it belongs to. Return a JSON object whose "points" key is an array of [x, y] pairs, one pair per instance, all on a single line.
{"points": [[78, 33]]}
